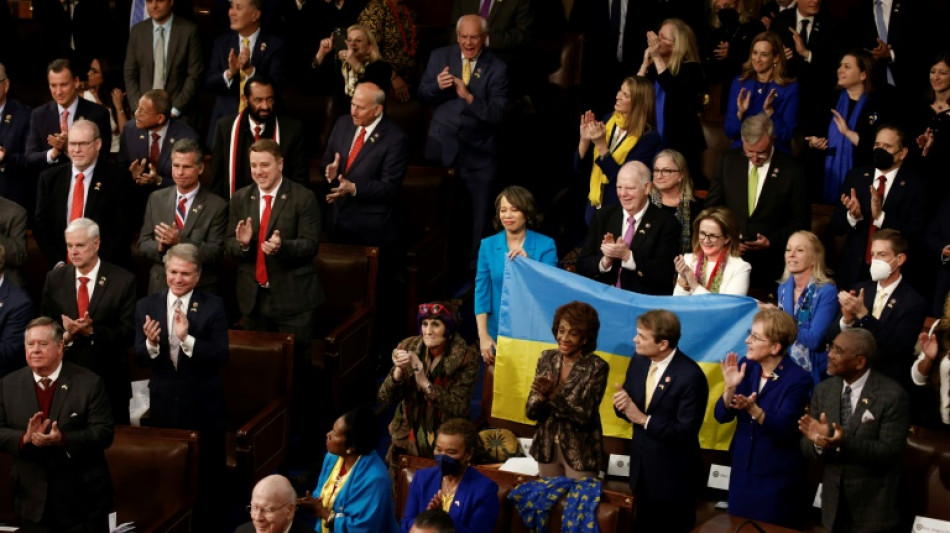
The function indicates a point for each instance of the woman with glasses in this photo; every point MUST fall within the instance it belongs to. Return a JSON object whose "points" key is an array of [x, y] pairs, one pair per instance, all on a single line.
{"points": [[628, 133], [673, 191], [715, 265], [431, 381], [763, 87], [354, 490], [360, 61], [515, 212], [766, 393], [808, 294], [565, 397]]}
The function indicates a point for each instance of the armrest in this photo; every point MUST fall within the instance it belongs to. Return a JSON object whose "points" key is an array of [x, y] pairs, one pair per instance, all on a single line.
{"points": [[263, 439]]}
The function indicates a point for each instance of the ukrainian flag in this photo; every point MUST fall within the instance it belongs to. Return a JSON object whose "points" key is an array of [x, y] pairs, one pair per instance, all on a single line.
{"points": [[712, 326]]}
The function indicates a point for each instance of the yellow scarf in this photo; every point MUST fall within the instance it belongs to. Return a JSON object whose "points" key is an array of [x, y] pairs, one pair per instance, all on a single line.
{"points": [[597, 177], [332, 487]]}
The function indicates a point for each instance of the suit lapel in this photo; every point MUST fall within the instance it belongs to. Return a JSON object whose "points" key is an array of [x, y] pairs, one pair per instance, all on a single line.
{"points": [[891, 303], [663, 383], [898, 189], [281, 197], [770, 183], [102, 286], [172, 48], [833, 410], [94, 197], [62, 387], [164, 157], [197, 206], [70, 306], [868, 394]]}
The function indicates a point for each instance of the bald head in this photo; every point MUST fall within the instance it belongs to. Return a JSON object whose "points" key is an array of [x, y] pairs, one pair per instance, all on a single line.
{"points": [[272, 504]]}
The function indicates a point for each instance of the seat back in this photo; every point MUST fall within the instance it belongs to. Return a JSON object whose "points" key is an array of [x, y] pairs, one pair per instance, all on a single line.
{"points": [[348, 275], [259, 371]]}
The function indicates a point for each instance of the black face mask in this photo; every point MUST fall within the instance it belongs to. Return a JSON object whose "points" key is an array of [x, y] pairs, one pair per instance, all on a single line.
{"points": [[728, 17], [883, 159]]}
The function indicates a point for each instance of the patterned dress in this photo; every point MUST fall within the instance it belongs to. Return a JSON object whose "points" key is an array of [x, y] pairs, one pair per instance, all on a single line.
{"points": [[397, 40]]}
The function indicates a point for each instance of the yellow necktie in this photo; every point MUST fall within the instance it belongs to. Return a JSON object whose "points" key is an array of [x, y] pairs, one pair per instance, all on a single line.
{"points": [[651, 385], [466, 70], [245, 43], [753, 187], [879, 300]]}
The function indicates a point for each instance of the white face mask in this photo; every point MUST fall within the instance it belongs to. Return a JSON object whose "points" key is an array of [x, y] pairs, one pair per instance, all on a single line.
{"points": [[880, 270]]}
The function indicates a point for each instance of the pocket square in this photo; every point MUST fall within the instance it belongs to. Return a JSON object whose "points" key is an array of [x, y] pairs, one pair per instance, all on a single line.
{"points": [[73, 415], [867, 417]]}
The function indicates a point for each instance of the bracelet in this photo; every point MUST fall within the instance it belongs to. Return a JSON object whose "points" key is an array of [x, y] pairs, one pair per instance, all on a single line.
{"points": [[758, 416]]}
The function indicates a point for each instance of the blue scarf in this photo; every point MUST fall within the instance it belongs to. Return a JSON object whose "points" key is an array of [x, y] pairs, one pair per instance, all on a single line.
{"points": [[660, 104], [534, 500], [840, 153]]}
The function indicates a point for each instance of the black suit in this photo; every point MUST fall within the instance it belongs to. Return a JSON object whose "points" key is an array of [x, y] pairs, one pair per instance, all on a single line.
{"points": [[103, 204], [906, 37], [369, 218], [655, 244], [782, 208], [15, 313], [665, 466], [87, 29], [59, 485], [14, 181], [110, 307], [224, 155], [45, 121]]}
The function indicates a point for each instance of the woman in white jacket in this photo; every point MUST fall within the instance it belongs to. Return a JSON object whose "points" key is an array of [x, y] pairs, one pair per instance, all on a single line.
{"points": [[715, 265]]}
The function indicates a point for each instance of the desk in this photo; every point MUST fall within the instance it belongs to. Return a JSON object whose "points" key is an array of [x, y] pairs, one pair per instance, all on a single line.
{"points": [[725, 523]]}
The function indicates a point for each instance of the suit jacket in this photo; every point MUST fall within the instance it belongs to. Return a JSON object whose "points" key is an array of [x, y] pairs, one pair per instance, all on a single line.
{"points": [[292, 146], [377, 171], [88, 29], [45, 121], [14, 128], [69, 482], [656, 243], [896, 331], [463, 134], [16, 310], [293, 281], [903, 36], [666, 453], [206, 226], [183, 62], [782, 209], [267, 58], [866, 467], [509, 23], [903, 211], [191, 396], [477, 497], [110, 307], [735, 278], [13, 239], [104, 205]]}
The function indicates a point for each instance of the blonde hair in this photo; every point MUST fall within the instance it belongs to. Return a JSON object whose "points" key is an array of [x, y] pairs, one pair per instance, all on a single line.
{"points": [[778, 66], [370, 38], [642, 116], [678, 159], [820, 272], [684, 45], [728, 225]]}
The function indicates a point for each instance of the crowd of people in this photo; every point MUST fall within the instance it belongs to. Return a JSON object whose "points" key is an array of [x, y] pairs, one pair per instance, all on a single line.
{"points": [[816, 112]]}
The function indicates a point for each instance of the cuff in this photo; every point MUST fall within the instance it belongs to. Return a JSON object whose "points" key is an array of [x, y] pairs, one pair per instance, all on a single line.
{"points": [[853, 221], [915, 375], [879, 221], [227, 80], [153, 349], [188, 345], [630, 263]]}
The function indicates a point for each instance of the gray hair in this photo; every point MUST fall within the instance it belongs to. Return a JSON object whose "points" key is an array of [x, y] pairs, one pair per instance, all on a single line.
{"points": [[864, 343], [45, 321], [83, 224], [186, 252], [85, 123], [189, 146], [378, 95], [482, 22], [756, 127], [640, 171]]}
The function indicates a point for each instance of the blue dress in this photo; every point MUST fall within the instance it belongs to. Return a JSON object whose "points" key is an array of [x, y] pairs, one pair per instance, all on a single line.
{"points": [[474, 509], [767, 482], [785, 107], [817, 309], [490, 274], [365, 501]]}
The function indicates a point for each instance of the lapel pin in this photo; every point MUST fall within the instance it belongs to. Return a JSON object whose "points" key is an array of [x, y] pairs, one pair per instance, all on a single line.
{"points": [[98, 185], [903, 183], [864, 401], [661, 386], [253, 197], [478, 72], [872, 118], [667, 379], [866, 174], [1, 305], [647, 225], [642, 232], [142, 136], [8, 118], [457, 504], [102, 281], [283, 196], [171, 141], [263, 46], [64, 386], [194, 307]]}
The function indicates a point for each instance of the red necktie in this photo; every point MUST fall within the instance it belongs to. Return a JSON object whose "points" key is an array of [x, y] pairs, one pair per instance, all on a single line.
{"points": [[627, 238], [260, 273], [82, 296], [257, 133], [79, 192], [153, 150], [356, 148], [64, 122], [872, 229], [180, 214]]}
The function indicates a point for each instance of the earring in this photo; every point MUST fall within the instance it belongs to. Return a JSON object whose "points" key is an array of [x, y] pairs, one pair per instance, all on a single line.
{"points": [[349, 451]]}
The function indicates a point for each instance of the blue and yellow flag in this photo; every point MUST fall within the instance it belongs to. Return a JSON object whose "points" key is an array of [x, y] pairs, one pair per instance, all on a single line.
{"points": [[712, 326]]}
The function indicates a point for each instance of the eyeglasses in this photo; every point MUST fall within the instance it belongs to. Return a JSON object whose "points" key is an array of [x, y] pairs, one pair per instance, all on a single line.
{"points": [[750, 154], [251, 509], [835, 351], [432, 309], [80, 144], [142, 111], [665, 172], [756, 338], [703, 236]]}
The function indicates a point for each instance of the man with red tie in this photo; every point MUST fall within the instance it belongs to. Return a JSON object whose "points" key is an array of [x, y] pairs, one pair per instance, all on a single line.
{"points": [[86, 188], [94, 301]]}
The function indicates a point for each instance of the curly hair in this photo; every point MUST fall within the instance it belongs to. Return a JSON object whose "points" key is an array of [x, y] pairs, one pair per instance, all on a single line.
{"points": [[582, 317]]}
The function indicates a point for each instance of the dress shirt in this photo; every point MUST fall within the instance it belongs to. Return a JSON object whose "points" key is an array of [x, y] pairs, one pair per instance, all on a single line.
{"points": [[251, 124], [251, 41], [856, 389], [763, 172], [272, 194], [369, 131], [93, 276], [811, 28], [54, 375], [189, 199], [630, 263], [1, 280], [188, 344], [3, 105], [472, 61], [660, 369], [87, 176], [69, 123], [888, 183], [889, 291], [886, 7], [168, 31]]}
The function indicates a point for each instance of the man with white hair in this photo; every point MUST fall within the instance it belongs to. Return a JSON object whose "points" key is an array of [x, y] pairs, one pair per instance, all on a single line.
{"points": [[272, 508]]}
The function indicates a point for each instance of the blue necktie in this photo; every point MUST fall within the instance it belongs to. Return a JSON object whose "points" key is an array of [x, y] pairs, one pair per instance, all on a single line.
{"points": [[138, 12], [882, 32]]}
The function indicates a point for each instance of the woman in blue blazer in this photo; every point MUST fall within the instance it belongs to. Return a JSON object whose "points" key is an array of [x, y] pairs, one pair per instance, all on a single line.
{"points": [[470, 498], [514, 211], [766, 395]]}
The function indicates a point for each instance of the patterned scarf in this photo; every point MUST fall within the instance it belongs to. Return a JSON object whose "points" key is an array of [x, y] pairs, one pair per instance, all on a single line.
{"points": [[682, 214], [802, 312], [534, 500], [597, 177], [715, 278]]}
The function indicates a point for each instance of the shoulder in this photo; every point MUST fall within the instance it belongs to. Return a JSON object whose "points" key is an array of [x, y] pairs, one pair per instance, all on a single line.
{"points": [[226, 39], [375, 469], [77, 373], [477, 479], [885, 384], [153, 300], [85, 107], [179, 130], [223, 125], [15, 108], [659, 216], [540, 240], [597, 362], [270, 39], [825, 289], [907, 292], [686, 364], [548, 356], [16, 377], [182, 24], [289, 124], [792, 373], [11, 209], [828, 387], [115, 272], [243, 194], [427, 475], [205, 196], [740, 264], [48, 109], [207, 298], [786, 162]]}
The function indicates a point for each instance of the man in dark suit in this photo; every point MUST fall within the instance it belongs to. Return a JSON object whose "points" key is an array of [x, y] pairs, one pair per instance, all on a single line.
{"points": [[632, 244], [273, 503], [779, 208], [145, 149], [239, 55], [509, 32], [234, 135], [83, 189], [15, 311], [365, 163], [77, 30], [186, 213], [49, 123], [183, 337], [94, 300], [888, 307], [56, 423], [898, 35], [885, 195], [14, 127], [857, 427], [13, 239], [664, 397], [176, 67], [468, 86]]}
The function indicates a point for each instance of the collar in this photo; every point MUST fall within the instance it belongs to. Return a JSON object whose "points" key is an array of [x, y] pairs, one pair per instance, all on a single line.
{"points": [[889, 176], [251, 39], [93, 273], [372, 126], [3, 105], [1, 280], [273, 193], [190, 195], [251, 123], [858, 385], [160, 131], [87, 173], [890, 288], [54, 375], [474, 59], [72, 108], [167, 25], [185, 300], [799, 18], [638, 216], [661, 366]]}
